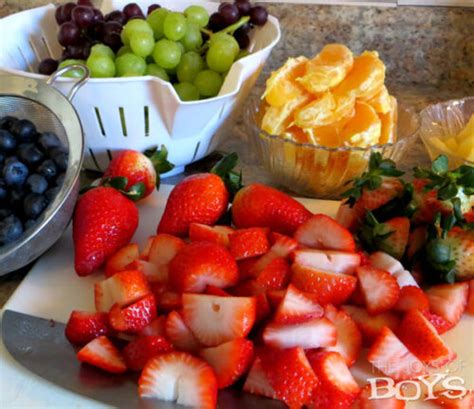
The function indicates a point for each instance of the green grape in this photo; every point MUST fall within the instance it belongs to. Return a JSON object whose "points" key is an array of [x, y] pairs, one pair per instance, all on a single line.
{"points": [[174, 26], [157, 71], [150, 59], [181, 47], [142, 44], [167, 54], [102, 49], [192, 40], [187, 91], [197, 15], [220, 57], [73, 73], [156, 20], [242, 54], [101, 66], [132, 27], [130, 65], [227, 39], [124, 50], [208, 83], [190, 65]]}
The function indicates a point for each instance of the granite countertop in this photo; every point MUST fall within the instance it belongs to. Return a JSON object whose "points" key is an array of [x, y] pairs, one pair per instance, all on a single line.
{"points": [[429, 53]]}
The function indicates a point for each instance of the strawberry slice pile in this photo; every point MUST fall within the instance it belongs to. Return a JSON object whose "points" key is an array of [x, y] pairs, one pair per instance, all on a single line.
{"points": [[280, 301]]}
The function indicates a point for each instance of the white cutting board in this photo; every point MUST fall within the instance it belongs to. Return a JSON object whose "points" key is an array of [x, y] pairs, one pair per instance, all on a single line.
{"points": [[52, 290]]}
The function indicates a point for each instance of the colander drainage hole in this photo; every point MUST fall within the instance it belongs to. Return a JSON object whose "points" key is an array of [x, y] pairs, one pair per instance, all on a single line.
{"points": [[147, 121], [122, 121], [99, 121]]}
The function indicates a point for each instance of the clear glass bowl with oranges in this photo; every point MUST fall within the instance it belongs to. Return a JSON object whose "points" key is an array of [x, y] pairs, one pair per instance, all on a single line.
{"points": [[320, 119]]}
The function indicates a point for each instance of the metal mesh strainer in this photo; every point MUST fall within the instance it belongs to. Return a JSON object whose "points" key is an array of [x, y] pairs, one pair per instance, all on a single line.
{"points": [[49, 110]]}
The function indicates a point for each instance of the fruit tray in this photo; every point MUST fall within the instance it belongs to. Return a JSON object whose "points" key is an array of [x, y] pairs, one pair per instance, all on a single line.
{"points": [[52, 290]]}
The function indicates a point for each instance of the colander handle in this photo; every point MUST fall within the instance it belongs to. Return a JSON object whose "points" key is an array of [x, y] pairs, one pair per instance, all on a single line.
{"points": [[78, 84]]}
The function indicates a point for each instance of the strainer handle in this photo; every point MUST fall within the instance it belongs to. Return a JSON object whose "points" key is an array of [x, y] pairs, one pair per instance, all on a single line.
{"points": [[78, 84]]}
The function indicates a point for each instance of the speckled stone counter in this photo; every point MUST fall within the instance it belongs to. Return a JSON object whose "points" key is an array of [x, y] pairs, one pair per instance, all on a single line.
{"points": [[429, 53]]}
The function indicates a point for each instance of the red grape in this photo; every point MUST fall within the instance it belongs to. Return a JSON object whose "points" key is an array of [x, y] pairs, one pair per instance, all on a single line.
{"points": [[244, 6], [58, 15], [242, 38], [67, 10], [83, 16], [96, 32], [85, 3], [258, 15], [113, 40], [112, 27], [69, 34], [78, 52], [47, 66], [117, 16], [229, 13], [152, 8], [132, 10], [215, 22], [98, 16]]}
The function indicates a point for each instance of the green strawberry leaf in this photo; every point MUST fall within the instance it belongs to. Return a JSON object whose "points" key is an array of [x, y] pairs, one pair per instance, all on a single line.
{"points": [[440, 164], [136, 191], [119, 182], [224, 169]]}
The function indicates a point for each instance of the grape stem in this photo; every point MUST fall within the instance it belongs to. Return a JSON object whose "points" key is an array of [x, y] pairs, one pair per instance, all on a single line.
{"points": [[230, 29]]}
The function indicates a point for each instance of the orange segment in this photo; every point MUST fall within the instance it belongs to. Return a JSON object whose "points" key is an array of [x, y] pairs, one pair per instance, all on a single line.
{"points": [[281, 85], [380, 101], [363, 129], [299, 135], [388, 133], [317, 113], [327, 69]]}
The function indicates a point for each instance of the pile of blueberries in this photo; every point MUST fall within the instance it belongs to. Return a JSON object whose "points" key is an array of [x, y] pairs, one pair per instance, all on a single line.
{"points": [[32, 170]]}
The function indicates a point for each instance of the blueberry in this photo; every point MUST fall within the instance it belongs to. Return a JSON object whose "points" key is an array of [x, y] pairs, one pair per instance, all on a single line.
{"points": [[15, 198], [15, 173], [10, 159], [48, 169], [36, 183], [49, 140], [52, 193], [30, 223], [2, 159], [7, 141], [60, 158], [7, 122], [3, 189], [24, 130], [60, 179], [34, 204], [30, 154], [5, 212], [10, 229]]}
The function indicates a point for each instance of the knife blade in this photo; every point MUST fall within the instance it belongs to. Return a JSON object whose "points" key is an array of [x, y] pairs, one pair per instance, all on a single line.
{"points": [[40, 346]]}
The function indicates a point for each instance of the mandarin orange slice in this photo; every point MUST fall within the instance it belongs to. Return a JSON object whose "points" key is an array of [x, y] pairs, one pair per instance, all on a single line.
{"points": [[388, 133], [380, 101], [363, 129], [298, 135], [318, 112]]}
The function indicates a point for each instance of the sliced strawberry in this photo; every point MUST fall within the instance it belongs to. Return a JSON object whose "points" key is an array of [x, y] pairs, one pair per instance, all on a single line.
{"points": [[123, 288], [331, 288], [289, 374], [100, 352], [246, 243], [229, 360], [328, 260], [201, 264], [146, 250], [384, 261], [371, 325], [440, 324], [448, 300], [295, 308], [82, 327], [213, 290], [323, 232], [314, 333], [411, 297], [275, 297], [179, 333], [247, 268], [121, 259], [422, 339], [135, 317], [366, 401], [262, 307], [470, 298], [416, 242], [282, 245], [154, 273], [139, 351], [396, 243], [215, 320], [349, 338], [337, 388], [257, 382], [380, 289], [349, 217], [156, 327], [275, 275], [179, 377], [389, 355], [449, 399], [163, 249], [169, 301], [213, 234]]}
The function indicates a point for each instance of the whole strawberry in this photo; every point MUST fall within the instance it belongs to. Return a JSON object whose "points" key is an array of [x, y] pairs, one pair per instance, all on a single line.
{"points": [[104, 221]]}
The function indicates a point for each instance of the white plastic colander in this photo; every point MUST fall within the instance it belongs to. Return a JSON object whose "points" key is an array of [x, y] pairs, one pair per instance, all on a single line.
{"points": [[136, 112]]}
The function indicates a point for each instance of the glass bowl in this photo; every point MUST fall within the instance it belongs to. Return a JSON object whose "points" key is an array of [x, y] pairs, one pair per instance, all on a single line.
{"points": [[319, 171], [440, 122]]}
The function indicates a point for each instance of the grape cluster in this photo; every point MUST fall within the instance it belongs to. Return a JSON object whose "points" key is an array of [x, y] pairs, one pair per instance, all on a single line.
{"points": [[192, 50]]}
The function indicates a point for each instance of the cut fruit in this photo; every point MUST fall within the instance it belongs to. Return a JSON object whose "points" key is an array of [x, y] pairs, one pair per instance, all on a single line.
{"points": [[318, 112], [365, 400], [257, 382], [82, 327], [139, 351], [153, 273], [388, 121], [448, 300], [295, 307], [101, 353], [214, 234], [388, 263], [246, 243], [411, 297], [381, 101], [120, 260], [179, 334], [163, 249], [133, 318], [328, 260], [363, 129]]}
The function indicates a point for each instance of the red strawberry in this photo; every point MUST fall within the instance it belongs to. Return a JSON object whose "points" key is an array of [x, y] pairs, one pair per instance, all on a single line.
{"points": [[323, 232], [258, 205], [469, 216], [470, 298], [386, 262], [330, 288], [200, 264], [166, 300], [275, 275], [275, 297], [213, 290], [82, 327], [179, 333], [215, 320], [449, 399], [349, 338], [337, 388], [247, 268], [365, 401], [180, 377], [163, 249], [135, 317], [328, 260], [155, 328], [146, 250], [246, 243], [422, 339], [427, 203], [448, 300], [380, 289], [152, 272], [371, 325], [314, 333], [461, 243], [139, 351], [214, 234], [295, 308], [390, 356], [100, 352], [411, 297], [349, 217], [373, 199], [229, 360], [121, 259], [416, 241], [201, 198], [440, 324], [257, 382], [289, 374], [123, 288], [104, 221]]}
